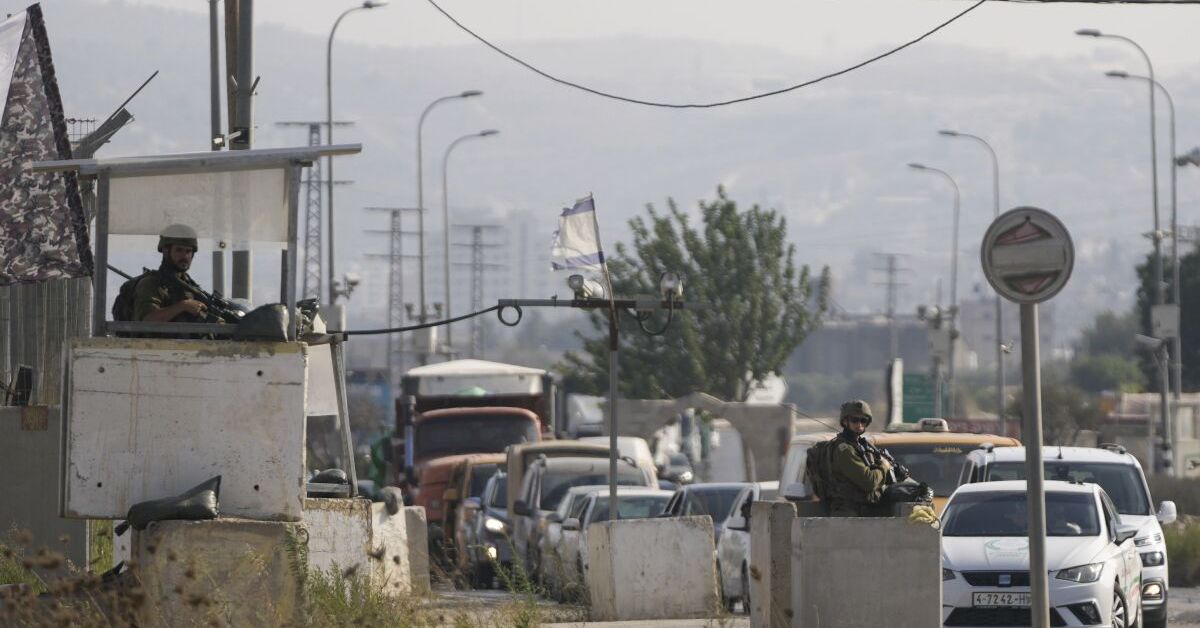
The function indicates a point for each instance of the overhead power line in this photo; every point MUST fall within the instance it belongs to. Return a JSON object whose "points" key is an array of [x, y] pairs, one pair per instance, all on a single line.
{"points": [[709, 105]]}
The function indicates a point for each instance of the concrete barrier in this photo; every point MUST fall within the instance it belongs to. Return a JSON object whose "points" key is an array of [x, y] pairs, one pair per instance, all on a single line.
{"points": [[771, 564], [643, 569], [358, 534], [888, 567], [235, 572], [417, 538]]}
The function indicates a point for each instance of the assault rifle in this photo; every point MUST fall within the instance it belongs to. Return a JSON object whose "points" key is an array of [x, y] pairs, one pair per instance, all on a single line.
{"points": [[217, 308]]}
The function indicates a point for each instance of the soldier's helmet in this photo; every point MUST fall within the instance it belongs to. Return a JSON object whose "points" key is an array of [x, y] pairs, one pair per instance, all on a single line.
{"points": [[180, 234], [857, 407]]}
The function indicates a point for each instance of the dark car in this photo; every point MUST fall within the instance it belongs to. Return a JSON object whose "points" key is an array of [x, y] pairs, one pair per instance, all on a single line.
{"points": [[489, 535], [714, 499], [545, 484], [678, 469]]}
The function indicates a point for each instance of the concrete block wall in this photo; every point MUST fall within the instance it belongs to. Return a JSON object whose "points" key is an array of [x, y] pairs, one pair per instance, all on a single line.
{"points": [[345, 533], [771, 564], [643, 569], [234, 572], [889, 568]]}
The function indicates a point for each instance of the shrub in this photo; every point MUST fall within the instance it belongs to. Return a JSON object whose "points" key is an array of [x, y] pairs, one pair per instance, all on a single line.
{"points": [[1183, 552], [1185, 492]]}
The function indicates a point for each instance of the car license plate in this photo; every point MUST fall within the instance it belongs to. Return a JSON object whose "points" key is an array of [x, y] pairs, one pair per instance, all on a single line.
{"points": [[996, 599]]}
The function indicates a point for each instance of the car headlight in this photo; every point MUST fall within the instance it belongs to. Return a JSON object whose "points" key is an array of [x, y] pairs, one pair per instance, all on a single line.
{"points": [[686, 476], [1152, 559], [947, 574], [493, 524], [1083, 573], [1148, 540]]}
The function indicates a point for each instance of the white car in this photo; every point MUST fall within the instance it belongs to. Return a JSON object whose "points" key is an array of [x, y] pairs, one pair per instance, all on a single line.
{"points": [[556, 573], [1120, 475], [1095, 573], [733, 548]]}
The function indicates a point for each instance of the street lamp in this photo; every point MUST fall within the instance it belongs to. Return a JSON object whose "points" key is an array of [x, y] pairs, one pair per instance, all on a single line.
{"points": [[999, 312], [471, 93], [368, 4], [1158, 274], [446, 221], [1176, 344], [953, 279]]}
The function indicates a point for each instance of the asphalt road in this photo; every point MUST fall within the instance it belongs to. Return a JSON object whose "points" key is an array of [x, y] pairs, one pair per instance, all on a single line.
{"points": [[1184, 608]]}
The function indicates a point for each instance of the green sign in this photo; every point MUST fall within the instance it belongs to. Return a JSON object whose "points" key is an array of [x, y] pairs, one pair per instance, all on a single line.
{"points": [[918, 397]]}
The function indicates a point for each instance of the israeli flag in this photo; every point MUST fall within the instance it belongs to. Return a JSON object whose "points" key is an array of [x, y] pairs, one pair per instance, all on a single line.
{"points": [[577, 241]]}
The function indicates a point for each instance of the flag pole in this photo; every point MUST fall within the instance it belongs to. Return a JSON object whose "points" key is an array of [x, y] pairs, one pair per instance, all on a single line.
{"points": [[614, 344]]}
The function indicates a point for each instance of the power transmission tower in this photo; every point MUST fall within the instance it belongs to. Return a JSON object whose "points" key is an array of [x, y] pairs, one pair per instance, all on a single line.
{"points": [[892, 284], [310, 269], [478, 266], [395, 308]]}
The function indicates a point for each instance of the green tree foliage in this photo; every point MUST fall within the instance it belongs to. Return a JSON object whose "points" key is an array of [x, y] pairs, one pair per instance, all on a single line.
{"points": [[1189, 276], [760, 305], [1066, 409], [1106, 372], [1110, 334]]}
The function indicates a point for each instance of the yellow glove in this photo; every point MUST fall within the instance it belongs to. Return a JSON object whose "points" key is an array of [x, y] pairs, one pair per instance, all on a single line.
{"points": [[924, 515]]}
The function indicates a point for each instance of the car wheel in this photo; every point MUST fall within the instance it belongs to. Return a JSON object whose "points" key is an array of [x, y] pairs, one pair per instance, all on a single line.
{"points": [[1119, 616], [745, 590]]}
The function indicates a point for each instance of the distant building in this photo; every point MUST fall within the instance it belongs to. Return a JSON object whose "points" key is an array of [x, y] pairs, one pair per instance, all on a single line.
{"points": [[977, 329], [855, 343]]}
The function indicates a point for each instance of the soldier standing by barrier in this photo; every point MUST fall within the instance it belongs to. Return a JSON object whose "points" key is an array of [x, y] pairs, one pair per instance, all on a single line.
{"points": [[858, 474]]}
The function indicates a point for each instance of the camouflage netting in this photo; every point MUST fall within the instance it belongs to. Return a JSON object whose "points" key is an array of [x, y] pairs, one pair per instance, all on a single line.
{"points": [[43, 230]]}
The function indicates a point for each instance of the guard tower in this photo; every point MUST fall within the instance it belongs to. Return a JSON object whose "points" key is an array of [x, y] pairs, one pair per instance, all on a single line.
{"points": [[153, 409]]}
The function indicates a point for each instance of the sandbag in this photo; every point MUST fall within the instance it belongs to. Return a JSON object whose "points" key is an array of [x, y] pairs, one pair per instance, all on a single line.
{"points": [[196, 504]]}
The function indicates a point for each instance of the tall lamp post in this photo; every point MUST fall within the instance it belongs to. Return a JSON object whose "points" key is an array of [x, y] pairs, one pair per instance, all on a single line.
{"points": [[953, 281], [367, 4], [446, 221], [1158, 265], [1000, 383], [1176, 347], [421, 197]]}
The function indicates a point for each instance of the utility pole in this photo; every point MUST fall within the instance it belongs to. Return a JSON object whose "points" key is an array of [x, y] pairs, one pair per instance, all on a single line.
{"points": [[395, 309], [310, 271], [239, 31], [892, 284], [478, 268]]}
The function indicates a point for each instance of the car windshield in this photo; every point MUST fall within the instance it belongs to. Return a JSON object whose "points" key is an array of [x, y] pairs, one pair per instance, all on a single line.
{"points": [[936, 464], [480, 475], [471, 434], [631, 507], [714, 502], [500, 495], [555, 484], [1122, 482], [1003, 513]]}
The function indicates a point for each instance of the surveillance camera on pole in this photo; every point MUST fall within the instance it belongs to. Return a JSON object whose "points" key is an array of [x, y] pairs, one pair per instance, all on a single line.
{"points": [[1027, 256]]}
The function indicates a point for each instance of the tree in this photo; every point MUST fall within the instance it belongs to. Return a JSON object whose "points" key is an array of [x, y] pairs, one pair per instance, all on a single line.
{"points": [[1065, 410], [1110, 334], [1189, 327], [760, 307], [1106, 372]]}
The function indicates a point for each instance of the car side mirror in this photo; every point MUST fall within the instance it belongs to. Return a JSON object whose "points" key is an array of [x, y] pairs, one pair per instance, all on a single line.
{"points": [[1167, 513], [738, 522], [450, 495], [522, 509], [570, 524], [1125, 532]]}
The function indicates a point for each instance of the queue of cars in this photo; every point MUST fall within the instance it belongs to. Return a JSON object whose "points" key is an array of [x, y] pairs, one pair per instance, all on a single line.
{"points": [[532, 507]]}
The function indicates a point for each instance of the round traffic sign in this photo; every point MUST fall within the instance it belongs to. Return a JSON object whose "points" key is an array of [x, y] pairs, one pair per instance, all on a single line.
{"points": [[1027, 255]]}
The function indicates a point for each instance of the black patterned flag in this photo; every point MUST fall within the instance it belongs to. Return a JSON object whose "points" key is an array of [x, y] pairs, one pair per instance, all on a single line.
{"points": [[43, 228]]}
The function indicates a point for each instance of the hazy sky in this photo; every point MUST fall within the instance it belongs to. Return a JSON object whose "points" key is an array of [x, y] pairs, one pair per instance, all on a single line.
{"points": [[808, 27]]}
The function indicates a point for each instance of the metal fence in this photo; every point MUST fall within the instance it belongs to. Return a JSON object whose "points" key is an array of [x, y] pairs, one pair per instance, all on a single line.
{"points": [[35, 321]]}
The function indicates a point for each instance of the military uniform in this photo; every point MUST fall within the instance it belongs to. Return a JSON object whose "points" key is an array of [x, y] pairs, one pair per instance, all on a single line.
{"points": [[155, 291], [857, 482]]}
